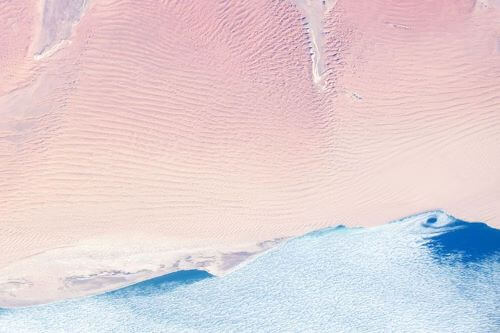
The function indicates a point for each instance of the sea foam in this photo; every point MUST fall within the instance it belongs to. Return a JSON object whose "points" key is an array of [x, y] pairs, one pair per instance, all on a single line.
{"points": [[429, 272]]}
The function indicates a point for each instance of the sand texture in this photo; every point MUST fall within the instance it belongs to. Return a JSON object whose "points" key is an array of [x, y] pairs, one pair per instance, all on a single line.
{"points": [[141, 137]]}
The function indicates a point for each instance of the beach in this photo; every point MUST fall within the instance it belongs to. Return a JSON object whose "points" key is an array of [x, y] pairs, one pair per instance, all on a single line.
{"points": [[426, 270]]}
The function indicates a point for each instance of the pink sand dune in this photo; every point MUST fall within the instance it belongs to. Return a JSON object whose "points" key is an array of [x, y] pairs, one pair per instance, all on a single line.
{"points": [[149, 136]]}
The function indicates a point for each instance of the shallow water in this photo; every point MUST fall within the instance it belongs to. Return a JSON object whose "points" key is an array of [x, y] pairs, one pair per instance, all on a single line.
{"points": [[428, 272]]}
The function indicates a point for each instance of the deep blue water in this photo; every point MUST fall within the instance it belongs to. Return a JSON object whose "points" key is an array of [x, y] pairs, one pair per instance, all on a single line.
{"points": [[465, 242], [161, 283], [426, 273]]}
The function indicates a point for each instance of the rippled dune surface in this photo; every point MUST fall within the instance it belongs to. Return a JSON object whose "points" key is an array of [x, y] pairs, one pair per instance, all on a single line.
{"points": [[413, 275], [139, 138]]}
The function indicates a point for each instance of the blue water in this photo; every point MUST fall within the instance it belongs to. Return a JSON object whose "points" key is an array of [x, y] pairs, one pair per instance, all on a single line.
{"points": [[162, 283], [426, 273], [465, 242]]}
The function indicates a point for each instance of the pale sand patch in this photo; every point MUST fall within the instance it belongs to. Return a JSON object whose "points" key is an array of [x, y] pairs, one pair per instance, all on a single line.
{"points": [[193, 131], [314, 12], [95, 266], [58, 18]]}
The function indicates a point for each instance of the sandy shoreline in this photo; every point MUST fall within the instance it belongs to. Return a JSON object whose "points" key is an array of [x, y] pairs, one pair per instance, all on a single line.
{"points": [[50, 280], [89, 269]]}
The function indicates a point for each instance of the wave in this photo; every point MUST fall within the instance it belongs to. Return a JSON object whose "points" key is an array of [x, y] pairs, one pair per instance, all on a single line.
{"points": [[428, 272]]}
